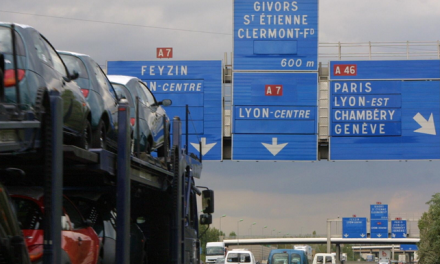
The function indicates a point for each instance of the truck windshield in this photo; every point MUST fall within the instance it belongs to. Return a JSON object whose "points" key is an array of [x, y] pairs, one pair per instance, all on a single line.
{"points": [[210, 251]]}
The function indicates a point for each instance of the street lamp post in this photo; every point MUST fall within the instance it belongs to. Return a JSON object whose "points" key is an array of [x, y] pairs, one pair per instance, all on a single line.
{"points": [[238, 231], [251, 227], [220, 231]]}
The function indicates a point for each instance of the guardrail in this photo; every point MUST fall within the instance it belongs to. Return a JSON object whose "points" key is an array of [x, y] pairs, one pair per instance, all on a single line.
{"points": [[405, 50]]}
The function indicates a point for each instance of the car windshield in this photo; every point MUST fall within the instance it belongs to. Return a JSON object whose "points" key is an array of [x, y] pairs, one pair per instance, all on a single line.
{"points": [[6, 42], [28, 213], [215, 251], [280, 258], [239, 257]]}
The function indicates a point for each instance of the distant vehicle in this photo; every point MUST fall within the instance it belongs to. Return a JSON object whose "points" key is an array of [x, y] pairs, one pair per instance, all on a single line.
{"points": [[79, 242], [12, 246], [237, 256], [38, 71], [287, 256], [307, 249], [220, 261], [324, 258], [101, 212], [214, 251], [100, 95], [153, 120]]}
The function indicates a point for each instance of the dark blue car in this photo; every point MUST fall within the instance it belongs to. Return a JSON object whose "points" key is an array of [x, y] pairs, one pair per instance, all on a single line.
{"points": [[287, 256], [100, 95], [32, 69]]}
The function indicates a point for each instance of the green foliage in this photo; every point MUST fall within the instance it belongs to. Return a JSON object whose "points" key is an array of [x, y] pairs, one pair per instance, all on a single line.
{"points": [[208, 234], [232, 234], [429, 226]]}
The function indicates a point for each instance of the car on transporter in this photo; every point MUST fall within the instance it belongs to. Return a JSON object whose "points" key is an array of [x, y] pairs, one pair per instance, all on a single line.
{"points": [[79, 242], [154, 124], [32, 70], [100, 95]]}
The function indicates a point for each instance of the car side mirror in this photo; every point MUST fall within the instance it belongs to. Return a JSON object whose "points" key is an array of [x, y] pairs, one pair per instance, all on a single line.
{"points": [[74, 75], [205, 219], [140, 220], [208, 201], [165, 102]]}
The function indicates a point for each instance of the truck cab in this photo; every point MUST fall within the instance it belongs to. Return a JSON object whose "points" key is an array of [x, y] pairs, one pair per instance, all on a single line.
{"points": [[215, 250]]}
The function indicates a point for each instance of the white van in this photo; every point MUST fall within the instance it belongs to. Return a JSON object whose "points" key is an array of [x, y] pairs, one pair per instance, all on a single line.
{"points": [[324, 258], [214, 250], [239, 256]]}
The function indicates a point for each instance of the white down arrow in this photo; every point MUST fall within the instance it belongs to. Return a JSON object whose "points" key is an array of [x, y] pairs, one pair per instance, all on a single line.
{"points": [[274, 148], [205, 147], [427, 126]]}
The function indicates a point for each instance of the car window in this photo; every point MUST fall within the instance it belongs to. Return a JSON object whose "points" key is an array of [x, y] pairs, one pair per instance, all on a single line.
{"points": [[123, 92], [73, 213], [239, 257], [75, 64], [40, 48], [28, 213], [6, 42], [141, 93], [295, 258], [328, 259], [103, 81], [57, 63], [150, 97], [280, 258]]}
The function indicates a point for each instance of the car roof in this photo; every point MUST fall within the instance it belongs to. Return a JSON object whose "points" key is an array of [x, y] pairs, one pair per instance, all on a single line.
{"points": [[72, 53], [16, 24], [287, 251], [122, 79], [32, 192]]}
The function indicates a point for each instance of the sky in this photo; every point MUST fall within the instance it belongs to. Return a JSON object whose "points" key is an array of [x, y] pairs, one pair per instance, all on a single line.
{"points": [[288, 197]]}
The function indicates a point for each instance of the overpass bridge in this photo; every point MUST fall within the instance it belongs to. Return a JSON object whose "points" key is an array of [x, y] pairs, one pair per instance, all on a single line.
{"points": [[322, 240]]}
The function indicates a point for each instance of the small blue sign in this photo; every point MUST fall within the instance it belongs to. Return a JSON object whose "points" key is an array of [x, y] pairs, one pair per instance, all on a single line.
{"points": [[384, 110], [274, 35], [197, 84], [379, 212], [379, 228], [354, 227], [398, 229], [409, 247], [275, 116]]}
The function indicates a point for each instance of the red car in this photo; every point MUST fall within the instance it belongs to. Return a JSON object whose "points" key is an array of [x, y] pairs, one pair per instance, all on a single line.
{"points": [[80, 243]]}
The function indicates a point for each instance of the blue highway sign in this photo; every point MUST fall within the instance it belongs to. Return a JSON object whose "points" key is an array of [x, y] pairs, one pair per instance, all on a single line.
{"points": [[409, 247], [379, 212], [276, 35], [398, 229], [384, 110], [379, 228], [274, 116], [197, 84], [354, 227]]}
